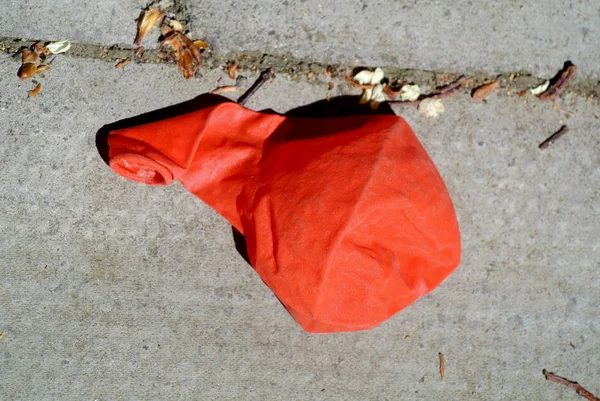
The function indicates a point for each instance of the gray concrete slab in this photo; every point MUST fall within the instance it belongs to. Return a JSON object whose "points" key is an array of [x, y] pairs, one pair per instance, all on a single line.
{"points": [[113, 290], [460, 35], [107, 22]]}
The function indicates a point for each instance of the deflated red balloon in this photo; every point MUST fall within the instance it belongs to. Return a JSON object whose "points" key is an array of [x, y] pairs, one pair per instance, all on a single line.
{"points": [[346, 219]]}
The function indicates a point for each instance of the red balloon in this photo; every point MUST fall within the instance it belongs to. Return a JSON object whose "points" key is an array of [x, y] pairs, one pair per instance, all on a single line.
{"points": [[346, 219]]}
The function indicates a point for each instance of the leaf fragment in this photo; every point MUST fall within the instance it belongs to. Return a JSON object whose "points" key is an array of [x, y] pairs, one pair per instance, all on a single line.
{"points": [[59, 47], [147, 20], [431, 107], [42, 68], [27, 70], [484, 91], [331, 86], [34, 92], [540, 89]]}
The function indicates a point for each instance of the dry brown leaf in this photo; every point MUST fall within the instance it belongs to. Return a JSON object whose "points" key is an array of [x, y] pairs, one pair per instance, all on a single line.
{"points": [[223, 89], [200, 44], [331, 86], [146, 22], [232, 69], [27, 70], [34, 92], [186, 64], [29, 56], [122, 63], [189, 45], [139, 51], [42, 68], [484, 90]]}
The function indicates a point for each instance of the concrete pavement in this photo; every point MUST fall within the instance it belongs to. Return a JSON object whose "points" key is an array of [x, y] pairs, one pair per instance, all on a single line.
{"points": [[112, 290]]}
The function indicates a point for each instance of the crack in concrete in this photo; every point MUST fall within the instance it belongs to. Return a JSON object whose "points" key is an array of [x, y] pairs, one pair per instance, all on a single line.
{"points": [[303, 69]]}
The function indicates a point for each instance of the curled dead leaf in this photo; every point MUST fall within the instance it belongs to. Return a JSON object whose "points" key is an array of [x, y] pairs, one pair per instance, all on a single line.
{"points": [[189, 45], [186, 64], [232, 69], [224, 89], [484, 90], [42, 68], [200, 44], [29, 56], [146, 21], [34, 92], [122, 63], [27, 70]]}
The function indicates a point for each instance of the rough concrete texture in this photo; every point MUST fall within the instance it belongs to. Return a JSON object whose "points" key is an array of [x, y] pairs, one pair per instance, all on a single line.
{"points": [[102, 22], [491, 36], [462, 35], [112, 290]]}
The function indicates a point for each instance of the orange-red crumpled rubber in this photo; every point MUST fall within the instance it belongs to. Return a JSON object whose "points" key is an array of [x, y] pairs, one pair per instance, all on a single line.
{"points": [[346, 219]]}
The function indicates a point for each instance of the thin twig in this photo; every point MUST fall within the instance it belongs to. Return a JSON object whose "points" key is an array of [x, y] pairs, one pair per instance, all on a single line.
{"points": [[560, 81], [442, 365], [563, 130], [265, 76], [574, 385]]}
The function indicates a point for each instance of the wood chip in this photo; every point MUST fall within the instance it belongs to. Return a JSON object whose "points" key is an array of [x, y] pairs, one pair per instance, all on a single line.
{"points": [[484, 91], [442, 365], [224, 89], [122, 63], [34, 92]]}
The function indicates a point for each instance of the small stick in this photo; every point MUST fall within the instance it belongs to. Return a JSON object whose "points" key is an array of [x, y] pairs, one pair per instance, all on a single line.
{"points": [[574, 385], [561, 80], [265, 76], [442, 367], [563, 130], [450, 89]]}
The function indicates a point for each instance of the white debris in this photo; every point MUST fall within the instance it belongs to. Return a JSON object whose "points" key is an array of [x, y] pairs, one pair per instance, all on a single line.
{"points": [[540, 89], [410, 92], [431, 108]]}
